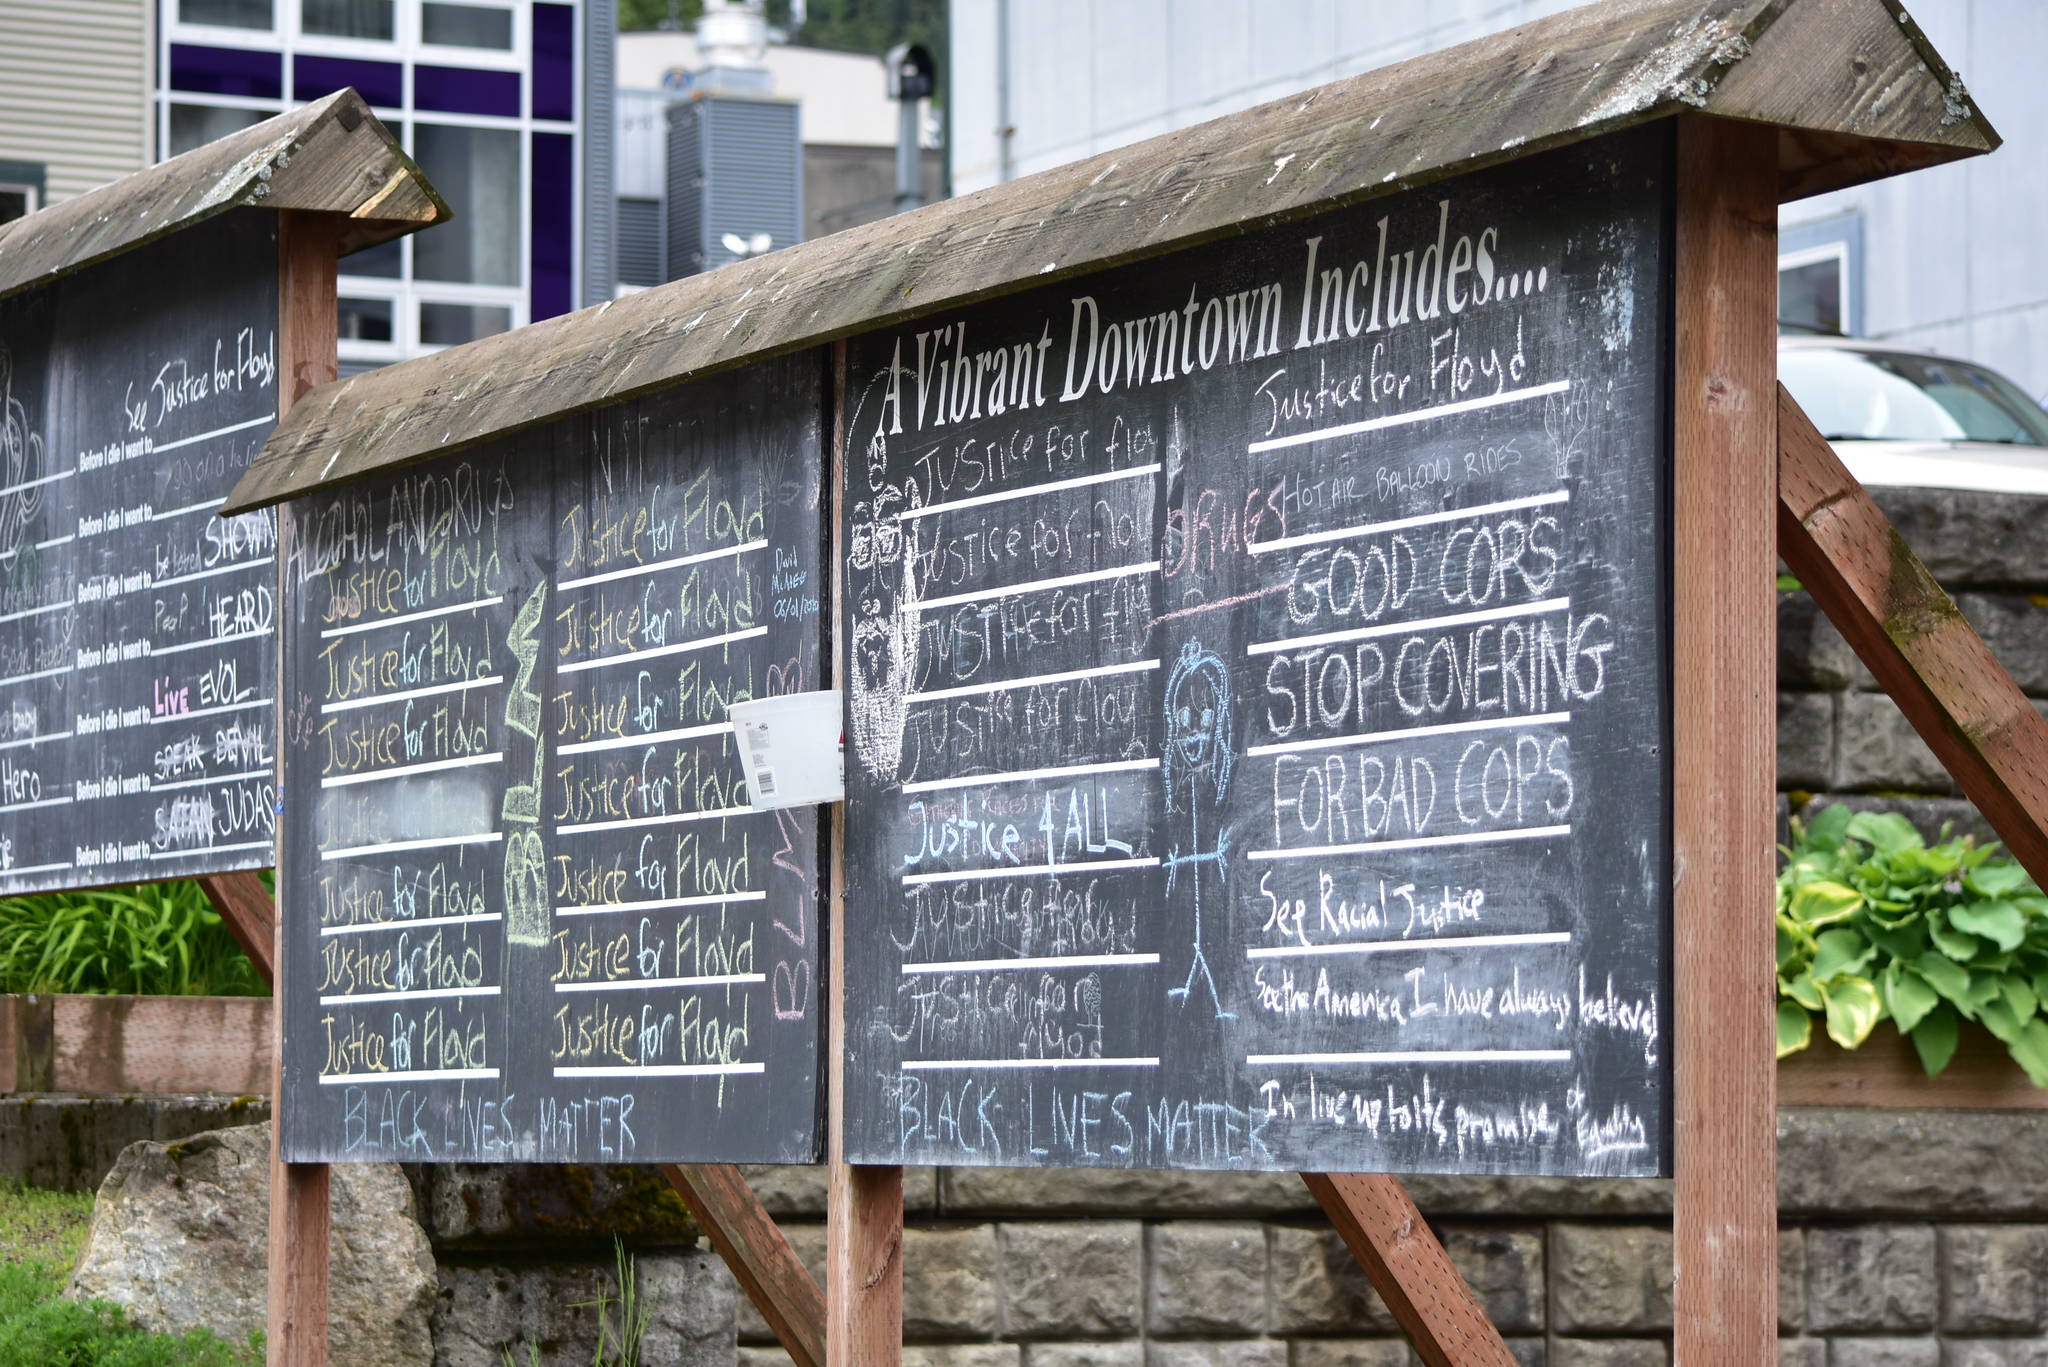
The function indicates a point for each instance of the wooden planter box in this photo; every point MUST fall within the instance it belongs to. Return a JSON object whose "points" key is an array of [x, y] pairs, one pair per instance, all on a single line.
{"points": [[1886, 1072], [97, 1044]]}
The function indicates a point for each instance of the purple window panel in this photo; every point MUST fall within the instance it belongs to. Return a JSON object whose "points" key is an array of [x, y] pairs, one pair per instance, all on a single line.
{"points": [[459, 90], [381, 83], [554, 62], [554, 223], [227, 71]]}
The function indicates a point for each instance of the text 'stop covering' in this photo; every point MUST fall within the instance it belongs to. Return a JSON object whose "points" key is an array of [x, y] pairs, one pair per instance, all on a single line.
{"points": [[1259, 698], [529, 912], [136, 625]]}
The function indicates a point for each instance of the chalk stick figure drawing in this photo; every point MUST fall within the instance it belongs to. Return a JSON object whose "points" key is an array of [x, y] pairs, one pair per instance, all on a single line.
{"points": [[527, 909], [1196, 764], [21, 460], [1566, 417]]}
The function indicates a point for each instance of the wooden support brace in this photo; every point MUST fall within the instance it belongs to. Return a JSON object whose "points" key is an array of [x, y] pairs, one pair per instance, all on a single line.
{"points": [[1410, 1269], [1723, 746], [762, 1261], [245, 907], [1911, 635]]}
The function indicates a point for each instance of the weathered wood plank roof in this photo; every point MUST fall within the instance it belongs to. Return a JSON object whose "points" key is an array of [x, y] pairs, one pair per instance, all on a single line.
{"points": [[1854, 88], [330, 156]]}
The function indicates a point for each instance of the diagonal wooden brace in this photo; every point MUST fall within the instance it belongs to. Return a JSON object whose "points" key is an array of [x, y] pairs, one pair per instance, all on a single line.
{"points": [[245, 907], [762, 1262], [1410, 1269], [1911, 635]]}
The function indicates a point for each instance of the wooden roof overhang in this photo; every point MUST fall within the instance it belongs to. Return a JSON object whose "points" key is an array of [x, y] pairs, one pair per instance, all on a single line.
{"points": [[329, 157], [1853, 86]]}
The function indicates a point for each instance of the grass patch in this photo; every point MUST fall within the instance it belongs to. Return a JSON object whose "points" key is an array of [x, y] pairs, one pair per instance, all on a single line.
{"points": [[160, 939], [41, 1233]]}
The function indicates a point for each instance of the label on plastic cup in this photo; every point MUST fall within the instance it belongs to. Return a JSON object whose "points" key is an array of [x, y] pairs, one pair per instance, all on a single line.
{"points": [[792, 748]]}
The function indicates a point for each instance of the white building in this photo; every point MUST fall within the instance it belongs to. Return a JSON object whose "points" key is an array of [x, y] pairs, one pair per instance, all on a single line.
{"points": [[1945, 258]]}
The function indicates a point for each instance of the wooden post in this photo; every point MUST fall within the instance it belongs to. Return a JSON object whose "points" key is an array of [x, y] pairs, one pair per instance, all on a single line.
{"points": [[1410, 1269], [1724, 728], [863, 1205], [299, 1213], [758, 1255], [1979, 724]]}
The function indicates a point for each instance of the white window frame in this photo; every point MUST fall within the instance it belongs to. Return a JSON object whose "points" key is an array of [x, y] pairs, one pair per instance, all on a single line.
{"points": [[407, 47], [1837, 252], [31, 193]]}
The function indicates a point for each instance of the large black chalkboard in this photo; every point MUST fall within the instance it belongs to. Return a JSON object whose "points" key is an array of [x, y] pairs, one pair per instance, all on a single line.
{"points": [[136, 626], [529, 914], [1259, 698]]}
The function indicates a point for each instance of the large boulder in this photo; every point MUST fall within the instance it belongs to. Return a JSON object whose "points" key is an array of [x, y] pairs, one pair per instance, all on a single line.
{"points": [[180, 1230]]}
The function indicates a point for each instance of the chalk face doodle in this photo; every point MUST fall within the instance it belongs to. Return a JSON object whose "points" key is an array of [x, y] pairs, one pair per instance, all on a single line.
{"points": [[543, 922], [1257, 717], [1196, 762]]}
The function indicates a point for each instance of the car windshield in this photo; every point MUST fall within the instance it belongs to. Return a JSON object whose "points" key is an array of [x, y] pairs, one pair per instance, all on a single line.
{"points": [[1888, 396]]}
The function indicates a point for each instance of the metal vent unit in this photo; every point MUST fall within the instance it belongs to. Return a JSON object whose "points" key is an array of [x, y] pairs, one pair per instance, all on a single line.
{"points": [[642, 258], [735, 180]]}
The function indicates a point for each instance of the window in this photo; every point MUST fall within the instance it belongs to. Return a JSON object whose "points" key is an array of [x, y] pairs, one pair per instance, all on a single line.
{"points": [[371, 19], [226, 13], [465, 26], [195, 125], [477, 171], [366, 320], [21, 189], [453, 324], [1820, 283]]}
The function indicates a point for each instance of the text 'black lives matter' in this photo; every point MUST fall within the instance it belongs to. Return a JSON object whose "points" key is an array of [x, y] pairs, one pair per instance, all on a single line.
{"points": [[137, 737], [1259, 688], [530, 914]]}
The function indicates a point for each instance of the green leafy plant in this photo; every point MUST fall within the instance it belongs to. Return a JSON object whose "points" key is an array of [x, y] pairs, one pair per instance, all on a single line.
{"points": [[161, 938], [1876, 924]]}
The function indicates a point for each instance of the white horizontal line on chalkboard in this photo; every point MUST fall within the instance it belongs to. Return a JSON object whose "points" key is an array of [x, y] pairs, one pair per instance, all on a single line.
{"points": [[1452, 728], [400, 846], [349, 999], [242, 706], [1122, 766], [1456, 619], [37, 612], [211, 849], [217, 569], [34, 740], [923, 1064], [654, 652], [665, 1070], [1043, 961], [216, 432], [629, 984], [64, 801], [32, 483], [584, 747], [204, 505], [63, 540], [668, 819], [419, 616], [34, 868], [364, 927], [979, 500], [1424, 1056], [429, 691], [1419, 415], [1031, 870], [657, 566], [1539, 937], [1031, 681], [432, 766], [209, 641], [1031, 586], [1419, 842], [1402, 524], [709, 899], [418, 1075], [38, 674], [209, 779]]}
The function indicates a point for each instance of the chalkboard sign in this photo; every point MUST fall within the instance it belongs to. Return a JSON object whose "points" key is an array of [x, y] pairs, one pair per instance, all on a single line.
{"points": [[529, 912], [1259, 698], [137, 739]]}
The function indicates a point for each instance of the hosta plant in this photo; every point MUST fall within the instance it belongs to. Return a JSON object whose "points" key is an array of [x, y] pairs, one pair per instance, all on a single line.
{"points": [[1874, 923]]}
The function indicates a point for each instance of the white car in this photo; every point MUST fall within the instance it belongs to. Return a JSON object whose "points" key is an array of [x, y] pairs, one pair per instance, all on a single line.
{"points": [[1902, 417]]}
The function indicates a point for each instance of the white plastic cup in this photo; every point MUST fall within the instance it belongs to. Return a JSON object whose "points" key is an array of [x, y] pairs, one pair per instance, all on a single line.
{"points": [[793, 748]]}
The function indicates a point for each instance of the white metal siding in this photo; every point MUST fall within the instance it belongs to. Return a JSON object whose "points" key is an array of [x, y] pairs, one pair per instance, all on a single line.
{"points": [[74, 89]]}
